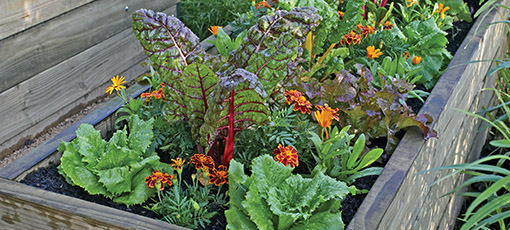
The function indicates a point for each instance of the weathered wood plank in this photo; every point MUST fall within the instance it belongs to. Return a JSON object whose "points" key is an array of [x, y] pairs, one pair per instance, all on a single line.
{"points": [[25, 108], [39, 48], [387, 198], [25, 207], [39, 153], [19, 15]]}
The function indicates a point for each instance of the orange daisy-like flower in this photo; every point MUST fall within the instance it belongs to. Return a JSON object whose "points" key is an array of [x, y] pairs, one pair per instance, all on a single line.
{"points": [[262, 4], [158, 179], [291, 96], [203, 162], [286, 155], [214, 29], [303, 105], [416, 60], [324, 118], [406, 54], [352, 38], [366, 30], [116, 84], [156, 94], [441, 10], [333, 111], [219, 176], [177, 163], [388, 25], [340, 14], [372, 52]]}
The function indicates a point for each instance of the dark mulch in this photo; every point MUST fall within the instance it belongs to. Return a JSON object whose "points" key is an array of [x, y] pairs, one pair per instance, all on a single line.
{"points": [[49, 179]]}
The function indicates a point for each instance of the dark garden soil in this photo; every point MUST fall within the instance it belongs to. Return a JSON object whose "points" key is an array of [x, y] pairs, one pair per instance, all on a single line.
{"points": [[49, 179]]}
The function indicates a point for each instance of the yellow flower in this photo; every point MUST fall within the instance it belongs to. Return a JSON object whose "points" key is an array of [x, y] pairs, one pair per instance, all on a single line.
{"points": [[442, 10], [178, 163], [372, 52], [117, 84], [388, 25], [416, 60], [214, 29]]}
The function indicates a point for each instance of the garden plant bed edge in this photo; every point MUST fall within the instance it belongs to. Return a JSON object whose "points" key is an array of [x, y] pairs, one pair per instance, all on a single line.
{"points": [[2, 192]]}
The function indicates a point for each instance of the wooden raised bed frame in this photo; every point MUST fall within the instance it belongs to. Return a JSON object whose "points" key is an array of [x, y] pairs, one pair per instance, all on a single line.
{"points": [[399, 199]]}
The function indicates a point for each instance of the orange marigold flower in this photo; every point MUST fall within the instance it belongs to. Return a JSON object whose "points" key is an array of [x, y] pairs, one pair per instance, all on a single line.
{"points": [[158, 179], [219, 176], [340, 14], [303, 105], [416, 60], [352, 38], [214, 29], [203, 162], [262, 4], [406, 54], [388, 25], [366, 30], [116, 84], [291, 96], [286, 155], [324, 118], [156, 94], [441, 10], [372, 52], [177, 163], [333, 111]]}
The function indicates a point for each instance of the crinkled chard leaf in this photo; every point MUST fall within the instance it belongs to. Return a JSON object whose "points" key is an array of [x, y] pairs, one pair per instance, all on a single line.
{"points": [[237, 103], [272, 49]]}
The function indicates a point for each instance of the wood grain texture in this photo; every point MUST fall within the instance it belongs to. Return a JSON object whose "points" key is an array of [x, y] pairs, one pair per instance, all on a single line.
{"points": [[37, 103], [32, 158], [56, 91], [401, 199], [18, 15], [39, 48], [25, 207]]}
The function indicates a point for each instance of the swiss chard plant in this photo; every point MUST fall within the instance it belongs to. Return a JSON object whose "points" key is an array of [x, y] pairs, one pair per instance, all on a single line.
{"points": [[116, 168], [273, 198], [219, 96]]}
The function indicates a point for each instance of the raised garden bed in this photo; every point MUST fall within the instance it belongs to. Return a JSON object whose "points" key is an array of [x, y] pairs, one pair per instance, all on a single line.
{"points": [[399, 199]]}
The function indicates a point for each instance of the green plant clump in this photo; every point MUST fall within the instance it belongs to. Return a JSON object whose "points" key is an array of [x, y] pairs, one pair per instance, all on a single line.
{"points": [[273, 198], [115, 169]]}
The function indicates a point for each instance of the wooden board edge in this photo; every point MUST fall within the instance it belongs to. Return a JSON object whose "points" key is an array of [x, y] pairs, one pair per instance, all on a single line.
{"points": [[385, 188], [66, 206]]}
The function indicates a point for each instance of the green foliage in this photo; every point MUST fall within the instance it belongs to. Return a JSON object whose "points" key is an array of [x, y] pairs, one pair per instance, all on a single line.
{"points": [[224, 44], [273, 198], [178, 140], [198, 15], [270, 51], [428, 41], [115, 169], [285, 127], [188, 206], [338, 159]]}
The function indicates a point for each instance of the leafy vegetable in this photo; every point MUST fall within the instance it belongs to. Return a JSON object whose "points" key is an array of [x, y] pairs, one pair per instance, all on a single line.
{"points": [[338, 159], [115, 169], [273, 198]]}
